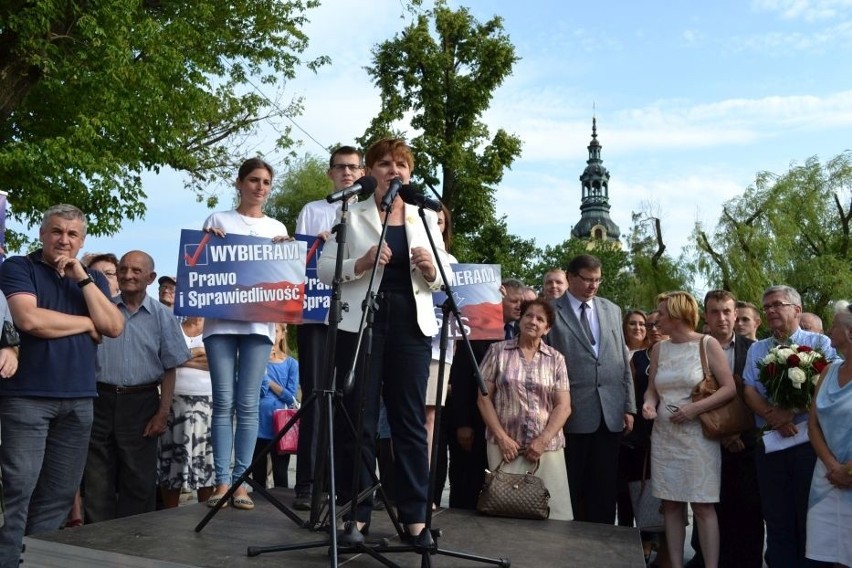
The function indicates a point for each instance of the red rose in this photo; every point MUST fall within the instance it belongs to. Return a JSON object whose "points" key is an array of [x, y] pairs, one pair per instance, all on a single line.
{"points": [[804, 349], [819, 365], [793, 360]]}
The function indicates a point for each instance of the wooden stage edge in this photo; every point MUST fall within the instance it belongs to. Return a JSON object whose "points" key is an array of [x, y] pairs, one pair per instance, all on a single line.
{"points": [[168, 539]]}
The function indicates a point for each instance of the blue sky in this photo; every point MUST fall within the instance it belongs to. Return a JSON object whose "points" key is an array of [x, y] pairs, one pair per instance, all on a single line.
{"points": [[692, 99]]}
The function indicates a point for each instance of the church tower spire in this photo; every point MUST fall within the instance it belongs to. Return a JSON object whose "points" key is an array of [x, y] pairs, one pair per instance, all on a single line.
{"points": [[595, 223]]}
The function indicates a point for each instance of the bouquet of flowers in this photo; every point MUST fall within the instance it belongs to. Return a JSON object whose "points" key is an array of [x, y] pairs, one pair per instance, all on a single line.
{"points": [[790, 373]]}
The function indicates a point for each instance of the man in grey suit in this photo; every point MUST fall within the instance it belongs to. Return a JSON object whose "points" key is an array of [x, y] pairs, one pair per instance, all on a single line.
{"points": [[588, 333]]}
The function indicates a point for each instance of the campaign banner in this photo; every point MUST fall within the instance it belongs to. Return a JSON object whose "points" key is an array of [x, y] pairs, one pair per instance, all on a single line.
{"points": [[240, 277], [317, 294], [476, 290]]}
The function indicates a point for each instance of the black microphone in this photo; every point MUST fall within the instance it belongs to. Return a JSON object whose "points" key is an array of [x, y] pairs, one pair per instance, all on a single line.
{"points": [[413, 197], [365, 184], [395, 185]]}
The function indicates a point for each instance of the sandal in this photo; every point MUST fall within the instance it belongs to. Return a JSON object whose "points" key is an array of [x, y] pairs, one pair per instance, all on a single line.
{"points": [[73, 523], [245, 503], [214, 500]]}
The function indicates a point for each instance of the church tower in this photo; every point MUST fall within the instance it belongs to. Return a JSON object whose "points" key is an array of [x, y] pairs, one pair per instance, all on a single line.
{"points": [[595, 223]]}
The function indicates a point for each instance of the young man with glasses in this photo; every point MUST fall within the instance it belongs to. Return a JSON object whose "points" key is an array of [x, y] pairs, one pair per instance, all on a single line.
{"points": [[587, 331], [316, 219], [784, 476]]}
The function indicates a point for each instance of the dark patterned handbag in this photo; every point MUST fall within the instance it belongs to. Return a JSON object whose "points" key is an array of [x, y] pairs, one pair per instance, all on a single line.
{"points": [[517, 495]]}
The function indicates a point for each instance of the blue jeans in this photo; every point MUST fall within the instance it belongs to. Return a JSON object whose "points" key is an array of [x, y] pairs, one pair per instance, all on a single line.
{"points": [[42, 456], [237, 365]]}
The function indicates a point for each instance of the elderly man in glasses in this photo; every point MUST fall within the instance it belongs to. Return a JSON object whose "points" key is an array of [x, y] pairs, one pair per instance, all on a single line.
{"points": [[784, 476]]}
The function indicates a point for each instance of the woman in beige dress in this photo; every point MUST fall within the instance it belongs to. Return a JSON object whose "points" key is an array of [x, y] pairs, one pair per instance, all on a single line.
{"points": [[685, 465]]}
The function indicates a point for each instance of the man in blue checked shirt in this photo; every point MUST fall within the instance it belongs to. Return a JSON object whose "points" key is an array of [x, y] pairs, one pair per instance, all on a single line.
{"points": [[136, 379], [784, 476]]}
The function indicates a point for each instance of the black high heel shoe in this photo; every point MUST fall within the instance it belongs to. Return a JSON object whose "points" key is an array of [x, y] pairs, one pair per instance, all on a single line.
{"points": [[423, 541], [349, 535]]}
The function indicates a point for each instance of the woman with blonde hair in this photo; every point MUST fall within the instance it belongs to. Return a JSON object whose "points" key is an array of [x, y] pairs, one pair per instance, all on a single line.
{"points": [[685, 465]]}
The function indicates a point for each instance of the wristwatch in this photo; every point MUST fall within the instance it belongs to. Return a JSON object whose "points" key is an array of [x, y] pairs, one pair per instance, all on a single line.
{"points": [[85, 281]]}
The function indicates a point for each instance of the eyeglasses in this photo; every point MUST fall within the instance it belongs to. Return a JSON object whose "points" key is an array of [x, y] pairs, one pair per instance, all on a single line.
{"points": [[776, 306], [594, 281], [652, 325], [350, 167]]}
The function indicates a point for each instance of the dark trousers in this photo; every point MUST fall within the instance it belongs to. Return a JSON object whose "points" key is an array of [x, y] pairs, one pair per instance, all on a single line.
{"points": [[785, 482], [280, 463], [466, 469], [592, 463], [440, 439], [310, 339], [739, 513], [121, 466], [398, 369]]}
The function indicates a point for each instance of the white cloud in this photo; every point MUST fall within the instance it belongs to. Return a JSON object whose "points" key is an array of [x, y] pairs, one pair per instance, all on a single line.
{"points": [[807, 10], [553, 129]]}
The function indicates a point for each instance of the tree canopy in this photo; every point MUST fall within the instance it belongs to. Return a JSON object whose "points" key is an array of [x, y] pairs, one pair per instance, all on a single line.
{"points": [[442, 72], [301, 181], [792, 229], [94, 94]]}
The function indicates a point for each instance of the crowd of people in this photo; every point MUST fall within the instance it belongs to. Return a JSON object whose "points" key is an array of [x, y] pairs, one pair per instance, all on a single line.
{"points": [[111, 396]]}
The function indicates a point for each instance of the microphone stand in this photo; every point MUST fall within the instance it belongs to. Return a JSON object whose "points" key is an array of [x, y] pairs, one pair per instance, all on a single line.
{"points": [[330, 399], [424, 544]]}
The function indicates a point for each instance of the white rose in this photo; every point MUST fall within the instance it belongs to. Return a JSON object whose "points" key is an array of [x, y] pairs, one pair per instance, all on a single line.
{"points": [[782, 354], [797, 377], [807, 357], [769, 358]]}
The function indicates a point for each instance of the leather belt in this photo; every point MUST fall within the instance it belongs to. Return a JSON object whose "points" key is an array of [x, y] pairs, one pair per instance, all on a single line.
{"points": [[120, 389]]}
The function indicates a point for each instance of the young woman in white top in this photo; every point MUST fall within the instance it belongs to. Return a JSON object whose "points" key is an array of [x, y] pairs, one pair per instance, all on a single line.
{"points": [[237, 351]]}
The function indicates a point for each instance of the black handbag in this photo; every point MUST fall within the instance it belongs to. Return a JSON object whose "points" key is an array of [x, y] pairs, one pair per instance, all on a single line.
{"points": [[516, 495]]}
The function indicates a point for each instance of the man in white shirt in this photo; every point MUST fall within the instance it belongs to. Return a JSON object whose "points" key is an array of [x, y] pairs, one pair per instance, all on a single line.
{"points": [[317, 219]]}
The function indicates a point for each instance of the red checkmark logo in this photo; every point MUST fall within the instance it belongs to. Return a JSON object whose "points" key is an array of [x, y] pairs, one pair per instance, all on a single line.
{"points": [[193, 260], [312, 251]]}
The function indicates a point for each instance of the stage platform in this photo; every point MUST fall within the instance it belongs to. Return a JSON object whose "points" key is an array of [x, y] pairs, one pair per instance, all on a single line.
{"points": [[168, 539]]}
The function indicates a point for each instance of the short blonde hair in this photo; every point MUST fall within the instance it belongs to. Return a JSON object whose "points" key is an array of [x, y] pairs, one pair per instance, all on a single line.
{"points": [[681, 306]]}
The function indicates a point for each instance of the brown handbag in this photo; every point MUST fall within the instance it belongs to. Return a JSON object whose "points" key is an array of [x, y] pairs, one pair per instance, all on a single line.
{"points": [[517, 495], [732, 417]]}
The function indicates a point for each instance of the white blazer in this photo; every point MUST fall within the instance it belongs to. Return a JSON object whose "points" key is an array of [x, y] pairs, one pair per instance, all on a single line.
{"points": [[364, 230]]}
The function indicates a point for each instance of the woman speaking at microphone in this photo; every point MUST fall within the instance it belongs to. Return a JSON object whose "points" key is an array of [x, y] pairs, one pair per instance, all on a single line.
{"points": [[404, 324]]}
